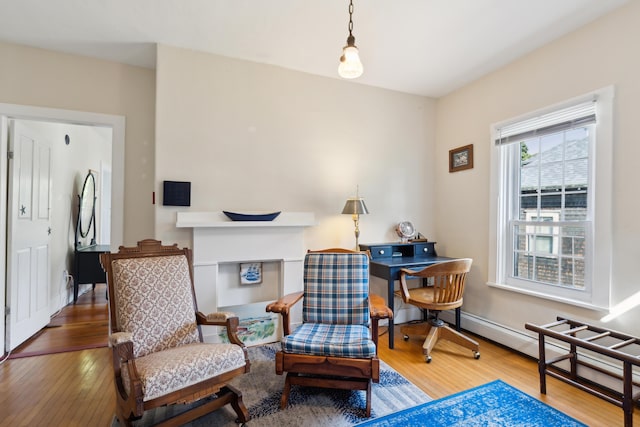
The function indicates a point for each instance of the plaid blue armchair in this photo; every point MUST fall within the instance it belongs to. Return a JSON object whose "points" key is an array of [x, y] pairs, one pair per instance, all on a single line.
{"points": [[336, 345]]}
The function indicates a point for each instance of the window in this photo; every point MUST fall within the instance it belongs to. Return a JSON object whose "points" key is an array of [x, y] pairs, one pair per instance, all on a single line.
{"points": [[551, 192], [551, 176]]}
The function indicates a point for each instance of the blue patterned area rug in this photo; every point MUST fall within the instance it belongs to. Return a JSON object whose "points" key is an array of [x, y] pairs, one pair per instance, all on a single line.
{"points": [[309, 406], [495, 404]]}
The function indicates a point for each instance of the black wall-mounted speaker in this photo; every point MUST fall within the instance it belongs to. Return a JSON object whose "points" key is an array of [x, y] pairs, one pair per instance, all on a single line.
{"points": [[176, 193]]}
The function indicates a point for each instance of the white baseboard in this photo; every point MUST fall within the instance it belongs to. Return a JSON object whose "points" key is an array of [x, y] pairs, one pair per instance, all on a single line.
{"points": [[514, 339]]}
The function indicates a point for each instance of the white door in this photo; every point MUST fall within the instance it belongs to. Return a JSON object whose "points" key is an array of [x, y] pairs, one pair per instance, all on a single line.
{"points": [[28, 252]]}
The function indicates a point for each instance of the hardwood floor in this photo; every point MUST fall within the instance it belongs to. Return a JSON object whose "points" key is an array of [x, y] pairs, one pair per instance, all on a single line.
{"points": [[76, 388], [77, 327], [63, 389], [453, 369]]}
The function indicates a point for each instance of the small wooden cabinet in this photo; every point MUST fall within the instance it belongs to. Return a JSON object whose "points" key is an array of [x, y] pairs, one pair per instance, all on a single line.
{"points": [[87, 267]]}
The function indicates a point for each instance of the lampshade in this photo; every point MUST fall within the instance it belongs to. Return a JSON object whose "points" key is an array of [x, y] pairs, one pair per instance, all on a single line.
{"points": [[355, 206], [350, 66]]}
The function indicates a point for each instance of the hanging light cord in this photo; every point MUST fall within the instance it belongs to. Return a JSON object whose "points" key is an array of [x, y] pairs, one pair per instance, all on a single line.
{"points": [[350, 65], [350, 19]]}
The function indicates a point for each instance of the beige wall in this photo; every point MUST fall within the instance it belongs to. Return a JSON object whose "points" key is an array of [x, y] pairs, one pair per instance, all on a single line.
{"points": [[598, 55], [43, 78], [254, 137]]}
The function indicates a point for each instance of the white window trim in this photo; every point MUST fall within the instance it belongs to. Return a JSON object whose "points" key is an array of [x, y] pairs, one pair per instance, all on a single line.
{"points": [[599, 261]]}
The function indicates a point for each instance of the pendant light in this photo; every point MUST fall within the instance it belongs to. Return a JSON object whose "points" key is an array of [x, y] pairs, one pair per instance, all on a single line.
{"points": [[350, 66]]}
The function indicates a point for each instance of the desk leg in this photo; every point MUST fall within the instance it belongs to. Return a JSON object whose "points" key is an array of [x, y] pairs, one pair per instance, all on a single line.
{"points": [[458, 319], [75, 290], [76, 275], [390, 299]]}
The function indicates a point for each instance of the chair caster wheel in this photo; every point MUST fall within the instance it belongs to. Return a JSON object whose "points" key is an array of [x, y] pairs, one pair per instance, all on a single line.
{"points": [[406, 337], [476, 355], [427, 359]]}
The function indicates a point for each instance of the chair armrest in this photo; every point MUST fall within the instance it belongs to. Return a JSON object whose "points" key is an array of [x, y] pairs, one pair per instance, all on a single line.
{"points": [[118, 338], [122, 346], [214, 319], [404, 289], [224, 318], [378, 308], [282, 306]]}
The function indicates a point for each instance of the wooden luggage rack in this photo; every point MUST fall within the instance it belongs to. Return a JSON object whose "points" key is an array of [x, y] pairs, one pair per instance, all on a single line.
{"points": [[598, 340]]}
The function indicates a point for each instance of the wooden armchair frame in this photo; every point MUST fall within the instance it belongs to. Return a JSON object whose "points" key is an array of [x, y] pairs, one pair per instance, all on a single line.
{"points": [[131, 405], [329, 371]]}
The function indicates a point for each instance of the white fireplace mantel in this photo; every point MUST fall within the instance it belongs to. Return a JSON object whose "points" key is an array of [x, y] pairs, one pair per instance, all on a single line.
{"points": [[220, 245], [220, 220]]}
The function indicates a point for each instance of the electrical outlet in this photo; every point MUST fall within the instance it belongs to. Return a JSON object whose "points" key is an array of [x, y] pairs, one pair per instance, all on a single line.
{"points": [[65, 279]]}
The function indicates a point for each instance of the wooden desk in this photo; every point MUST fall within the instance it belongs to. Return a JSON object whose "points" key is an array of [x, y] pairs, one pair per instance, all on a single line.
{"points": [[87, 267], [388, 258]]}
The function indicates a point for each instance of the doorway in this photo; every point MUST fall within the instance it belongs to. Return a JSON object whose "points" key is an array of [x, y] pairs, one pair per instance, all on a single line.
{"points": [[99, 123]]}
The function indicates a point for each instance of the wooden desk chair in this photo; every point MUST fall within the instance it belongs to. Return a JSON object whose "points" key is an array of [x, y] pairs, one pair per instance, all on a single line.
{"points": [[334, 347], [446, 294], [158, 355]]}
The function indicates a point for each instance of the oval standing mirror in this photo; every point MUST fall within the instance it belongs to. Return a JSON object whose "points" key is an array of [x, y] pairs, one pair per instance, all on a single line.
{"points": [[87, 205]]}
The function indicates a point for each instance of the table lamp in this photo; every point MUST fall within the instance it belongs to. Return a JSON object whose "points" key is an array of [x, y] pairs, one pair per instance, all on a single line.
{"points": [[355, 207]]}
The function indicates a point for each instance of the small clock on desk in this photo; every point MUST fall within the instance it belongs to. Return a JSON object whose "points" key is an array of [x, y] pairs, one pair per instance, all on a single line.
{"points": [[405, 230]]}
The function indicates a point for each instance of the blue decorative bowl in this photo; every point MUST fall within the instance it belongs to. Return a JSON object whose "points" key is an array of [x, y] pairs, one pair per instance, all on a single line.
{"points": [[251, 217]]}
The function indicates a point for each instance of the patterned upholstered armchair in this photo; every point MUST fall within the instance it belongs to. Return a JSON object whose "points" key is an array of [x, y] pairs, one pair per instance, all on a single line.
{"points": [[336, 345], [158, 355]]}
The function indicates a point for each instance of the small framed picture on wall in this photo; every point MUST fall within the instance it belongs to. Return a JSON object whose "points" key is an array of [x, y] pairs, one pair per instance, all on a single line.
{"points": [[461, 158], [250, 273]]}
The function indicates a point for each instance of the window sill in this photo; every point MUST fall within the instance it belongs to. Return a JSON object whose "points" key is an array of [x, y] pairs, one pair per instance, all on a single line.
{"points": [[577, 303]]}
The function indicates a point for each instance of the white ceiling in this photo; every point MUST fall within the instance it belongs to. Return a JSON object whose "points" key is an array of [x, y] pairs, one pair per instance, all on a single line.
{"points": [[425, 47]]}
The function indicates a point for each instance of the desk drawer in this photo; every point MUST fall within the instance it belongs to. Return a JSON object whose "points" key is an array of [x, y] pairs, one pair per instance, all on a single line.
{"points": [[401, 250], [380, 251], [425, 249]]}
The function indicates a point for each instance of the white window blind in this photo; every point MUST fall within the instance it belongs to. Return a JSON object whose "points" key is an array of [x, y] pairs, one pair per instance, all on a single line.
{"points": [[566, 118]]}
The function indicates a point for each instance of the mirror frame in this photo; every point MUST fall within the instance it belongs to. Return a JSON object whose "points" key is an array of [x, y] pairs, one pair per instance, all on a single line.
{"points": [[87, 205]]}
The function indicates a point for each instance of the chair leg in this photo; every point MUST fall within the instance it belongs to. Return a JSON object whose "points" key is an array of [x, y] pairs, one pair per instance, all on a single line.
{"points": [[437, 329], [124, 415], [226, 395], [368, 411], [285, 392], [430, 342], [238, 405], [327, 382], [456, 337], [419, 329]]}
